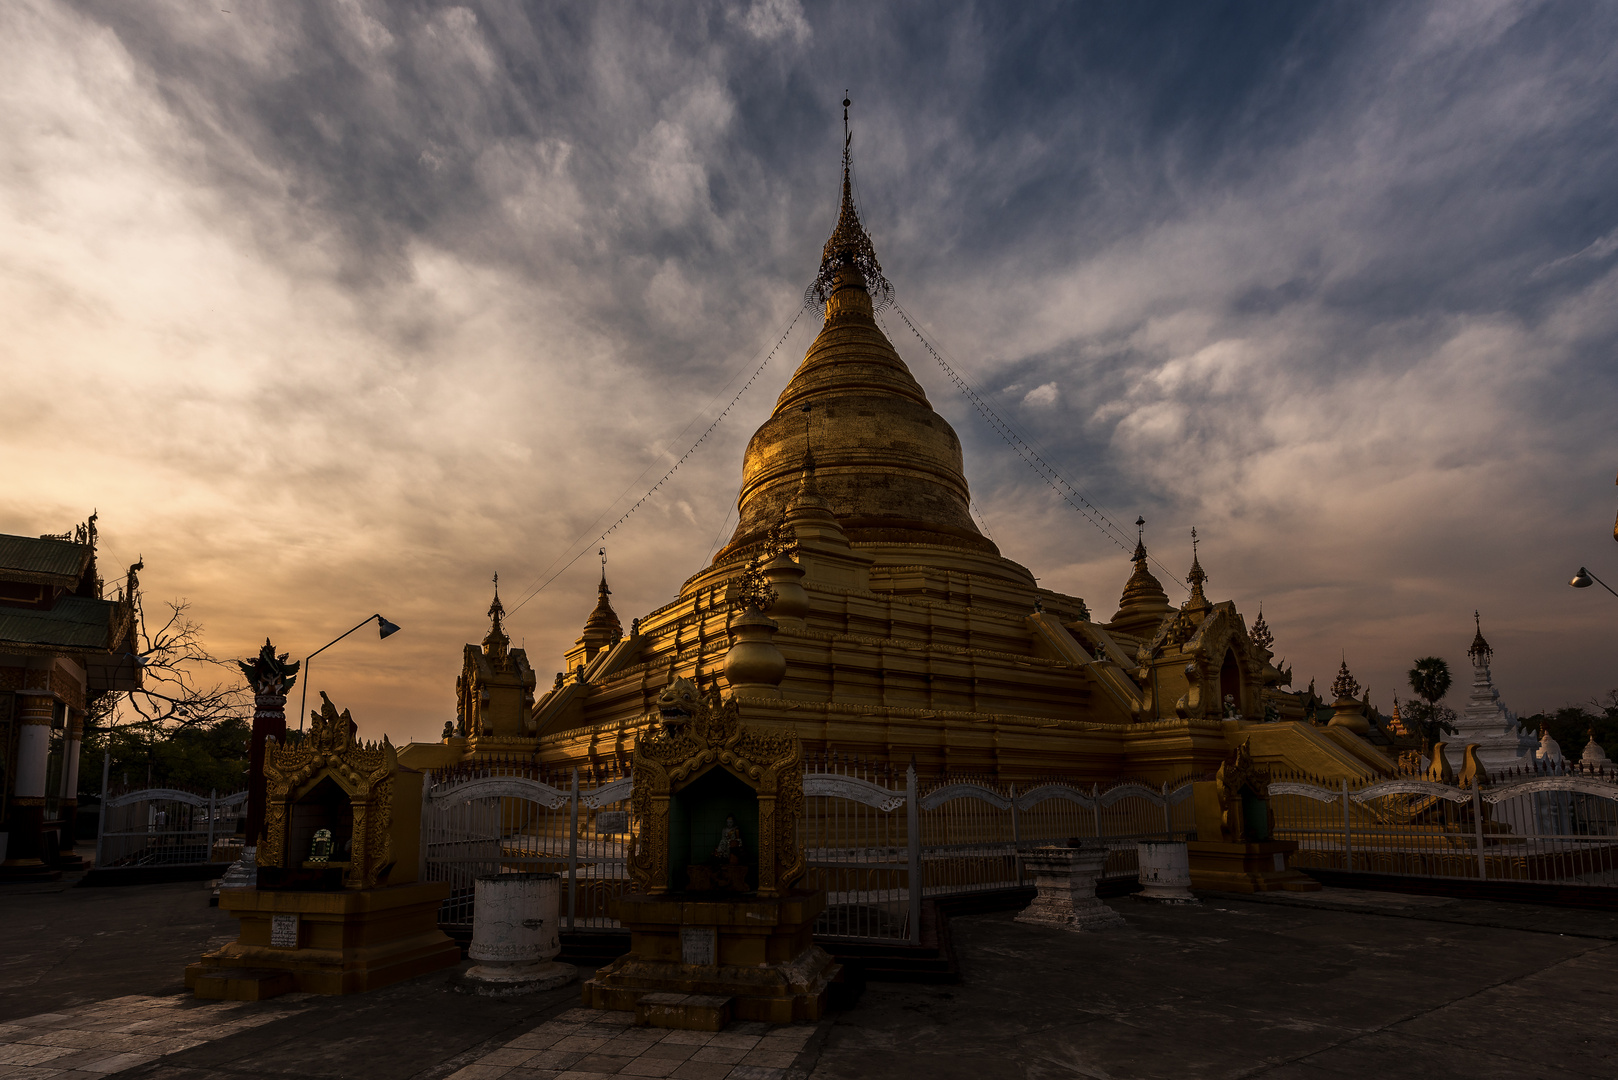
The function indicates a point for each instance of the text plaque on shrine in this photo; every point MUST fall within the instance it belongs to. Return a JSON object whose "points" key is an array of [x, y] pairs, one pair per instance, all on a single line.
{"points": [[697, 945], [284, 931]]}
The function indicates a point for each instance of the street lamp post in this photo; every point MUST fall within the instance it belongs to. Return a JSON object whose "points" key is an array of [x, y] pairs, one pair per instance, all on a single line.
{"points": [[385, 628], [1584, 578]]}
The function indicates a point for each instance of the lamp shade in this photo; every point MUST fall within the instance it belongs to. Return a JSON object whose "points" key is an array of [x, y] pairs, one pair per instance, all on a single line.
{"points": [[387, 628], [1582, 579]]}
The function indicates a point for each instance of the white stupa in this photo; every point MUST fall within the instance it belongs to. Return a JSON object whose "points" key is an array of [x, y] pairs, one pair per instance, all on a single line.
{"points": [[1502, 742], [1594, 756], [1550, 751]]}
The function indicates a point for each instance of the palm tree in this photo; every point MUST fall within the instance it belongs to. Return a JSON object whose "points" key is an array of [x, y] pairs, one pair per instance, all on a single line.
{"points": [[1430, 679]]}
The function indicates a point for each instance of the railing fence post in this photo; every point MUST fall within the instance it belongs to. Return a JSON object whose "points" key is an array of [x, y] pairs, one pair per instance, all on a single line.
{"points": [[1348, 832], [1016, 838], [1168, 814], [573, 850], [213, 795], [913, 835], [101, 821], [1477, 829]]}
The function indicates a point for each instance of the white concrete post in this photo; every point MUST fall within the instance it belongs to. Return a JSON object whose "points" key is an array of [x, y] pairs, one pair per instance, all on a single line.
{"points": [[33, 749]]}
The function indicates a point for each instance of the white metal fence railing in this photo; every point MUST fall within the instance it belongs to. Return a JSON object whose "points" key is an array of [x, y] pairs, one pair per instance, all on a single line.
{"points": [[879, 840], [955, 836], [507, 816], [1553, 829], [868, 834], [164, 826]]}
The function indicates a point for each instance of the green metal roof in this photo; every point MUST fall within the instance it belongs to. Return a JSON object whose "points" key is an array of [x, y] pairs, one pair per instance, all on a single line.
{"points": [[41, 561], [77, 623]]}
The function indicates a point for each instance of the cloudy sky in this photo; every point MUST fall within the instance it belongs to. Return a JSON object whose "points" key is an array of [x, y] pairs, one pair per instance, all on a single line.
{"points": [[343, 307]]}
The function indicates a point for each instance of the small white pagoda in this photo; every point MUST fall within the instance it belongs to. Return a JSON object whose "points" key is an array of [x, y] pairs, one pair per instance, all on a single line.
{"points": [[1502, 742]]}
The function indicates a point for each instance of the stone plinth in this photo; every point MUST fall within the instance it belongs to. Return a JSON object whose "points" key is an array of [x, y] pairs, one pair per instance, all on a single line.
{"points": [[759, 952], [1165, 872], [333, 942], [1260, 866], [1065, 878]]}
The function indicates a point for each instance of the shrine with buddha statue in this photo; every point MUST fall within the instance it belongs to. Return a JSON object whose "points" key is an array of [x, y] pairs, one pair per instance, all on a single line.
{"points": [[339, 905]]}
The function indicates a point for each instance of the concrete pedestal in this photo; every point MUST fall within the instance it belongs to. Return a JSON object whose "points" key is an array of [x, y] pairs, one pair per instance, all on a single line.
{"points": [[1165, 872], [1065, 878], [1246, 868], [337, 942], [758, 953], [516, 936]]}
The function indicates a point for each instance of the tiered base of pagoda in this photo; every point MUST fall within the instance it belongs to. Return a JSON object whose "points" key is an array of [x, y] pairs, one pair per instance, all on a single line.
{"points": [[1246, 868], [328, 942], [748, 959]]}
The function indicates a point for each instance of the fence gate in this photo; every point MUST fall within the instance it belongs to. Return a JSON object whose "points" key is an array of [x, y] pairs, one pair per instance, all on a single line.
{"points": [[493, 822]]}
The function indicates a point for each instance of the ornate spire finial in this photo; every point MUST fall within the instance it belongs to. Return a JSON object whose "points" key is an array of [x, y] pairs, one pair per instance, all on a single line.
{"points": [[1480, 650], [1140, 540], [1261, 631], [1345, 686], [849, 248], [496, 640]]}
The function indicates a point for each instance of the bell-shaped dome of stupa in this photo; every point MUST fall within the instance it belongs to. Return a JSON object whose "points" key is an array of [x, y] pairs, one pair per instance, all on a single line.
{"points": [[888, 465]]}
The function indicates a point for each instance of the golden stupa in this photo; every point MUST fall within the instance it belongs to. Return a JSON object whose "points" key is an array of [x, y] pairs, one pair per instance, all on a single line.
{"points": [[895, 629]]}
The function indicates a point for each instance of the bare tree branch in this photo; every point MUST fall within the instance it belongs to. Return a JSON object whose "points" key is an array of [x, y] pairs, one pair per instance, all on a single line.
{"points": [[182, 683]]}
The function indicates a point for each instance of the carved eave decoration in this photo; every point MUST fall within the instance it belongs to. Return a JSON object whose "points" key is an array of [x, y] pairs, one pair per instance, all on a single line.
{"points": [[364, 771], [695, 734], [1198, 638]]}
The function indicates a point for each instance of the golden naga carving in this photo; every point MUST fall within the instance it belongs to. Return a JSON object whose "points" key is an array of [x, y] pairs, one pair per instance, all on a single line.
{"points": [[697, 734], [364, 774], [1237, 777], [1472, 771]]}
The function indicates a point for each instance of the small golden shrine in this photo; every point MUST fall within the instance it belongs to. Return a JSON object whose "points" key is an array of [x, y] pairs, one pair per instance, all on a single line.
{"points": [[696, 770], [338, 906], [1236, 849], [717, 928], [355, 793]]}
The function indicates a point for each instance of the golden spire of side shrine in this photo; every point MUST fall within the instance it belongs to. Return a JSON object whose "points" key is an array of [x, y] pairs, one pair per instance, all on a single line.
{"points": [[496, 640], [1198, 601]]}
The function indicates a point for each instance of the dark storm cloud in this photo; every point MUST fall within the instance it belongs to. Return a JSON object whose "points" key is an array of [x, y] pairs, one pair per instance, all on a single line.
{"points": [[406, 292]]}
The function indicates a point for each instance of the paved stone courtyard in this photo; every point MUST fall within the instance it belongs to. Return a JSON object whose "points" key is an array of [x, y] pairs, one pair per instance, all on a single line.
{"points": [[1292, 987]]}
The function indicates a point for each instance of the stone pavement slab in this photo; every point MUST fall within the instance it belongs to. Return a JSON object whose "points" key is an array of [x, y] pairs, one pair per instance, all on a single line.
{"points": [[1235, 988], [1362, 985], [62, 947]]}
